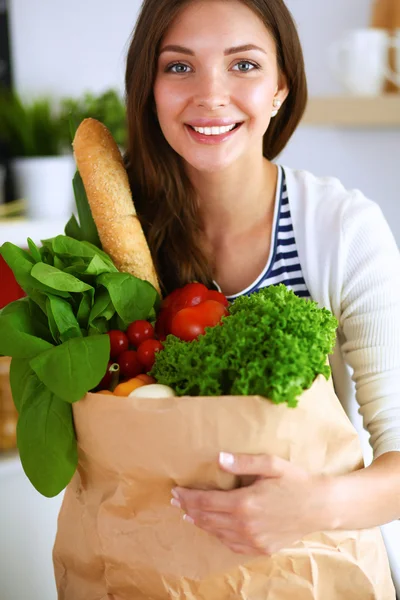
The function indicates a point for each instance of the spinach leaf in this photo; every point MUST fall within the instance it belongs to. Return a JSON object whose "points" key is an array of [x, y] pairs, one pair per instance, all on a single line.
{"points": [[84, 309], [57, 280], [73, 230], [39, 318], [97, 266], [132, 298], [74, 367], [98, 326], [34, 251], [21, 263], [46, 439], [102, 255], [64, 318], [102, 307], [21, 374], [67, 247], [58, 263], [18, 334], [87, 224]]}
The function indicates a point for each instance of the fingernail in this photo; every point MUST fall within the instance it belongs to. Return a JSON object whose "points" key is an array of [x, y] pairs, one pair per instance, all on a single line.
{"points": [[176, 503], [175, 493], [226, 460], [188, 519]]}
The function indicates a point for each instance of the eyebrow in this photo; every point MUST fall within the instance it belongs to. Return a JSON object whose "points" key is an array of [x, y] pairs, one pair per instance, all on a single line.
{"points": [[227, 51]]}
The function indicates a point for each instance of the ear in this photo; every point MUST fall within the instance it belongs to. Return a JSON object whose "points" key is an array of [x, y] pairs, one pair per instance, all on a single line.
{"points": [[282, 89]]}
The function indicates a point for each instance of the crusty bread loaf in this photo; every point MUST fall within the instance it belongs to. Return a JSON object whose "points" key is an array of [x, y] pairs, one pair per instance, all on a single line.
{"points": [[104, 177]]}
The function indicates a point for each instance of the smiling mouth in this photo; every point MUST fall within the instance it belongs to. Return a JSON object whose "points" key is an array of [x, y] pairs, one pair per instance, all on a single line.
{"points": [[215, 131]]}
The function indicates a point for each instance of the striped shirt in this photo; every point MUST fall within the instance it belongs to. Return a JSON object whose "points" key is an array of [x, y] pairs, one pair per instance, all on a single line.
{"points": [[283, 265]]}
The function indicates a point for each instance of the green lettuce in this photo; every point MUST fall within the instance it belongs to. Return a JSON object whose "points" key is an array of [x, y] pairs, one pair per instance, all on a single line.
{"points": [[273, 344]]}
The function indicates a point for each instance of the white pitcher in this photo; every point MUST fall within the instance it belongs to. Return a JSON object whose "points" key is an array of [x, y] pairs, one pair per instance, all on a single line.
{"points": [[360, 61]]}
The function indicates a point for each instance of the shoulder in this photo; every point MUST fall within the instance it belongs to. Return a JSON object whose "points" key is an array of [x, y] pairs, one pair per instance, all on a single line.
{"points": [[326, 201]]}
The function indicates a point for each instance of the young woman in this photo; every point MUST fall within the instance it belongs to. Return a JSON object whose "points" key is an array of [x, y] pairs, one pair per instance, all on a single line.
{"points": [[215, 89]]}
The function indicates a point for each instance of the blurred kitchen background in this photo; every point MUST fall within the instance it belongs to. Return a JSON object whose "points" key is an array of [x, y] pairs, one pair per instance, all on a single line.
{"points": [[71, 56]]}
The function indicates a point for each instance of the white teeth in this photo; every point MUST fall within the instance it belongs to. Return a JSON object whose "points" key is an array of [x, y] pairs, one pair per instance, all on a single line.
{"points": [[214, 130]]}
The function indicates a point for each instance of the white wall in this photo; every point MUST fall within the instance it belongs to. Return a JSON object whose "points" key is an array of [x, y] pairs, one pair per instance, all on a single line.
{"points": [[362, 158]]}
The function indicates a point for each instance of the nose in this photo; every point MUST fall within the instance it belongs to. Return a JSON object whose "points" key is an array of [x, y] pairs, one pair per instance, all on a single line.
{"points": [[211, 92]]}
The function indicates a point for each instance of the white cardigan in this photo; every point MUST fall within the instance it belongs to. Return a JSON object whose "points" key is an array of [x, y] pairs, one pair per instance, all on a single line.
{"points": [[351, 265]]}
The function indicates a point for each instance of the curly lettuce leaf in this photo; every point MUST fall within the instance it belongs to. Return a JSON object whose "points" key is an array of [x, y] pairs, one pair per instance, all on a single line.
{"points": [[273, 344]]}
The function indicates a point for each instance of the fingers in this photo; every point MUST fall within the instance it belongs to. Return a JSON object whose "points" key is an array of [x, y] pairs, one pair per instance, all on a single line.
{"points": [[253, 464], [224, 528], [212, 522], [207, 501]]}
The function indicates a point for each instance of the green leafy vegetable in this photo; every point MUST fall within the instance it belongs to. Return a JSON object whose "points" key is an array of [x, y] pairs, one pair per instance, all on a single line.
{"points": [[46, 439], [273, 344], [74, 367], [130, 296], [18, 331], [56, 339]]}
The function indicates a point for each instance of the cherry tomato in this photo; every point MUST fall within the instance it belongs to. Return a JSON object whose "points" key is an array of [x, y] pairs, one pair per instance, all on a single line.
{"points": [[139, 331], [118, 342], [191, 322], [146, 352], [218, 297], [193, 294], [129, 364]]}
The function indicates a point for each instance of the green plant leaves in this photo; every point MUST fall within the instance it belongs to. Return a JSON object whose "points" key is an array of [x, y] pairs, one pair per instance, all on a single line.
{"points": [[130, 296], [18, 333], [74, 367], [46, 439], [30, 129], [88, 229], [57, 280], [21, 374], [64, 321], [56, 339]]}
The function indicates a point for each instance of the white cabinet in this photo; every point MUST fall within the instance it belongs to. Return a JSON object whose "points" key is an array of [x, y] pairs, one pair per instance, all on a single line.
{"points": [[28, 524]]}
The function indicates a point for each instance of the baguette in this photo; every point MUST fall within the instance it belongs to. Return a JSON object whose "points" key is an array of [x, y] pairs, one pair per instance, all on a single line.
{"points": [[104, 177]]}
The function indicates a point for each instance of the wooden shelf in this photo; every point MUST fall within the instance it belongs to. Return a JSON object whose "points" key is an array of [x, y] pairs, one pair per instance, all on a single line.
{"points": [[352, 111]]}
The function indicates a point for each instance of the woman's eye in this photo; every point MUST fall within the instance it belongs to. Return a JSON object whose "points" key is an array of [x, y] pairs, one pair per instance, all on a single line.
{"points": [[179, 68], [245, 66]]}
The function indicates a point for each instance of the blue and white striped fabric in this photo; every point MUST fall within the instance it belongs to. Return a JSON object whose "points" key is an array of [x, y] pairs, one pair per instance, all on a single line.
{"points": [[284, 264]]}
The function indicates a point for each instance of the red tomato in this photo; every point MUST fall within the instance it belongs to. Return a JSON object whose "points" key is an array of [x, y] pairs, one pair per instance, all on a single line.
{"points": [[193, 294], [129, 364], [191, 322], [162, 324], [139, 331], [218, 297], [190, 295], [118, 342], [172, 299], [146, 352]]}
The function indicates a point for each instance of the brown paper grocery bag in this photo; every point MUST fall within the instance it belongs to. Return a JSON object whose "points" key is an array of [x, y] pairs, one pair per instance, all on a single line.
{"points": [[120, 539]]}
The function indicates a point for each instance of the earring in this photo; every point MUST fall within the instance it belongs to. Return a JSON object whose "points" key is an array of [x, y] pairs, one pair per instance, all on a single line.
{"points": [[276, 104]]}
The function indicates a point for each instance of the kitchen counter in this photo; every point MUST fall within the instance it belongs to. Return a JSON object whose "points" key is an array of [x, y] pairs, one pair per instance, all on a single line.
{"points": [[18, 230]]}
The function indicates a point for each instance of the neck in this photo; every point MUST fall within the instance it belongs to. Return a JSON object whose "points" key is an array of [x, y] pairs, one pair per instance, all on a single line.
{"points": [[239, 198]]}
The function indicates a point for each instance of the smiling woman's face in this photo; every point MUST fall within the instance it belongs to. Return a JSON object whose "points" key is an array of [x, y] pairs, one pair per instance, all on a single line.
{"points": [[217, 67]]}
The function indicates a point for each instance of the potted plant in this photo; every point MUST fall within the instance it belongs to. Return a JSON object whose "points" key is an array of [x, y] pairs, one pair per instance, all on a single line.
{"points": [[108, 108], [42, 166]]}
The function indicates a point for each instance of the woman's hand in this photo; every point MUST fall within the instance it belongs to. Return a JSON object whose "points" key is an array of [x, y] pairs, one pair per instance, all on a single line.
{"points": [[282, 505]]}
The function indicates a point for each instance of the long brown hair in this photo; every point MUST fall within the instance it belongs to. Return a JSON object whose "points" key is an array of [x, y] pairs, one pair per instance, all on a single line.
{"points": [[164, 197]]}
